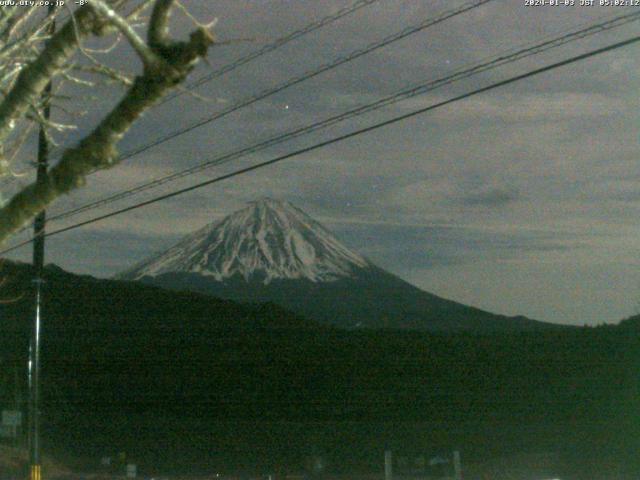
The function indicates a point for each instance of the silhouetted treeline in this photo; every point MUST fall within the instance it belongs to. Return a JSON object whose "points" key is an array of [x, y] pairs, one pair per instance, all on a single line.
{"points": [[179, 379]]}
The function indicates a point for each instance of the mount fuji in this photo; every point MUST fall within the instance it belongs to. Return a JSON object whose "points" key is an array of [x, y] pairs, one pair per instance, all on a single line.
{"points": [[271, 251]]}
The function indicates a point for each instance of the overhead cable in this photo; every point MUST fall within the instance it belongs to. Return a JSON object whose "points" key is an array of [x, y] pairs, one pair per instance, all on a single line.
{"points": [[340, 138]]}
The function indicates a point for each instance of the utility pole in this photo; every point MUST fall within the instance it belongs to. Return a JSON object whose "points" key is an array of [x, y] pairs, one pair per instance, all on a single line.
{"points": [[388, 465], [457, 465], [19, 438], [35, 470]]}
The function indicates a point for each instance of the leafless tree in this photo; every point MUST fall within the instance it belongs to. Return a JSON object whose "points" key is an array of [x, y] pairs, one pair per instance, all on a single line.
{"points": [[31, 57]]}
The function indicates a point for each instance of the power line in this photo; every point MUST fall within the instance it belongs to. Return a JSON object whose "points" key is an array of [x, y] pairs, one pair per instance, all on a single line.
{"points": [[310, 74], [458, 75], [340, 138], [280, 42], [294, 81]]}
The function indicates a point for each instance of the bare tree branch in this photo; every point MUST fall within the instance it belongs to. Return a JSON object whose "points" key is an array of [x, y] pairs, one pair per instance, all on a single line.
{"points": [[98, 149], [159, 24], [147, 55], [108, 73], [34, 78], [136, 12]]}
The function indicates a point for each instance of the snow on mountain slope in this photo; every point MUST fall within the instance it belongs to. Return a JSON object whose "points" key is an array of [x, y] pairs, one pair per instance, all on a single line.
{"points": [[267, 240]]}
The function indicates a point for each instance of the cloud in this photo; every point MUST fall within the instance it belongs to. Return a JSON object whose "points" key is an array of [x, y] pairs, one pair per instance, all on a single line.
{"points": [[468, 198], [526, 108], [400, 247], [447, 195], [491, 197]]}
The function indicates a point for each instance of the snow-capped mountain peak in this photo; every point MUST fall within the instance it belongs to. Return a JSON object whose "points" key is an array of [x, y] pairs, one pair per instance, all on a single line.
{"points": [[269, 239]]}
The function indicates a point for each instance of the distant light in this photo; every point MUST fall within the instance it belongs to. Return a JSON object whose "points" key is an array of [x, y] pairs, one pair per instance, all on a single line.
{"points": [[286, 107]]}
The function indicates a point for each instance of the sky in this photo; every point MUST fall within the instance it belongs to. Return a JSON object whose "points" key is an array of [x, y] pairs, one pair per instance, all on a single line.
{"points": [[524, 200]]}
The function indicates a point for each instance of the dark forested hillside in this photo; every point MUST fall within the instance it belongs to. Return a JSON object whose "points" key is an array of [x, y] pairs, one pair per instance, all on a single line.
{"points": [[181, 380], [271, 251]]}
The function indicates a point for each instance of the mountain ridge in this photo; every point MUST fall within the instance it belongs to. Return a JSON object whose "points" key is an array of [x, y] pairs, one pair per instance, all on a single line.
{"points": [[176, 363], [268, 239], [271, 251]]}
